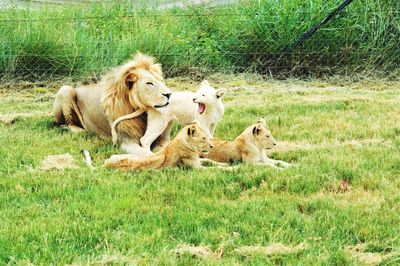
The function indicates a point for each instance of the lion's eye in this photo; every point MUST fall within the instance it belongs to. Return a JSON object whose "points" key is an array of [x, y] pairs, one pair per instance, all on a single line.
{"points": [[150, 83], [203, 95], [204, 138], [267, 136]]}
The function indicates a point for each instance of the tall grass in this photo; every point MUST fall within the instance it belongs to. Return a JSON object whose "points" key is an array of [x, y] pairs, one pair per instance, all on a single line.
{"points": [[250, 36]]}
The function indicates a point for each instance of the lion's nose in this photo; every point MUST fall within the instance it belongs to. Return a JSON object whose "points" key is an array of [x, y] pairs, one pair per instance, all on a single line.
{"points": [[274, 144], [194, 99], [211, 146], [167, 95]]}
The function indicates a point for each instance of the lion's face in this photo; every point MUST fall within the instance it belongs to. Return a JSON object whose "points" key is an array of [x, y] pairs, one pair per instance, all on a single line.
{"points": [[149, 89], [207, 96], [198, 140], [262, 136]]}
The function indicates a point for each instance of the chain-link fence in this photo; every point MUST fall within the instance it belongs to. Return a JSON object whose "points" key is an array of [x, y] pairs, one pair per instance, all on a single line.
{"points": [[234, 36]]}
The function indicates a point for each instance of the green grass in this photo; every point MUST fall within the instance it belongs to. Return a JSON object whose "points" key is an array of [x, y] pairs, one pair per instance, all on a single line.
{"points": [[345, 131], [81, 41]]}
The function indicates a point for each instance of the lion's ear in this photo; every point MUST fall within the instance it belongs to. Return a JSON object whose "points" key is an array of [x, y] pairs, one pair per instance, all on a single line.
{"points": [[191, 130], [220, 93], [262, 121], [130, 79], [204, 83], [256, 130]]}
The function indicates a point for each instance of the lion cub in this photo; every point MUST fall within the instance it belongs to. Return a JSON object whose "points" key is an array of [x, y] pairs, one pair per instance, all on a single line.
{"points": [[184, 149], [249, 147]]}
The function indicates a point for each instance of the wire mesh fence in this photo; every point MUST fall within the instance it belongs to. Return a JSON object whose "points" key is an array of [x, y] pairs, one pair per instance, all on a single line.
{"points": [[76, 41]]}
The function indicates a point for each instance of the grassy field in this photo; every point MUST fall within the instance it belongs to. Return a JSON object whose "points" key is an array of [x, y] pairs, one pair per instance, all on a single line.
{"points": [[340, 201]]}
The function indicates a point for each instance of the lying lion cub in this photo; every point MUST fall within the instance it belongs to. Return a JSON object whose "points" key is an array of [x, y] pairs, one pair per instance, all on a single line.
{"points": [[249, 147], [184, 150]]}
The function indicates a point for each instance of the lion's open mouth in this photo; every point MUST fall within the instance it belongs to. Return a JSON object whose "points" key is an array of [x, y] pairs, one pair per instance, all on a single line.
{"points": [[201, 108], [160, 106]]}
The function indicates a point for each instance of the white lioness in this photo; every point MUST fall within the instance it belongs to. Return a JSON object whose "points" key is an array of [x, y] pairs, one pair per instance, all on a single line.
{"points": [[134, 86], [249, 147], [183, 150], [203, 106]]}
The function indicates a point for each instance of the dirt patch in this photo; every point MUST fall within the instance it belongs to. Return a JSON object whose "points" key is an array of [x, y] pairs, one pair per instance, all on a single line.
{"points": [[201, 252], [273, 249], [341, 186], [11, 118], [365, 258], [204, 252], [58, 162]]}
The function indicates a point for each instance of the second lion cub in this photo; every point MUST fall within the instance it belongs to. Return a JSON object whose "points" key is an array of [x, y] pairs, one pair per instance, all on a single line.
{"points": [[249, 147], [183, 150]]}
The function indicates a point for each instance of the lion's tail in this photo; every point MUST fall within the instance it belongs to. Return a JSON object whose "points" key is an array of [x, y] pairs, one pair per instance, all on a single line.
{"points": [[88, 159], [78, 113], [114, 125]]}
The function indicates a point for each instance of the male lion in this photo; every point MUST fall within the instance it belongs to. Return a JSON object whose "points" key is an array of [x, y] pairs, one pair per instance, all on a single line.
{"points": [[184, 149], [203, 106], [249, 147], [135, 86]]}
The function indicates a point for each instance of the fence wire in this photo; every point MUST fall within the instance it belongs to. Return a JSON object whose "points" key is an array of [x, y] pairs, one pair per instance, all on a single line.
{"points": [[38, 45]]}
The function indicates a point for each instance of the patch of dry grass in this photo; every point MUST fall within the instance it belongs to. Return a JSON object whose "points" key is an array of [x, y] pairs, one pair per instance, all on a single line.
{"points": [[201, 252], [58, 162], [11, 118], [270, 250]]}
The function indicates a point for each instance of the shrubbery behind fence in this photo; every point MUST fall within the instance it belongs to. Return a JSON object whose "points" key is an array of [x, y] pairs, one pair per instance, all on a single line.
{"points": [[253, 36]]}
